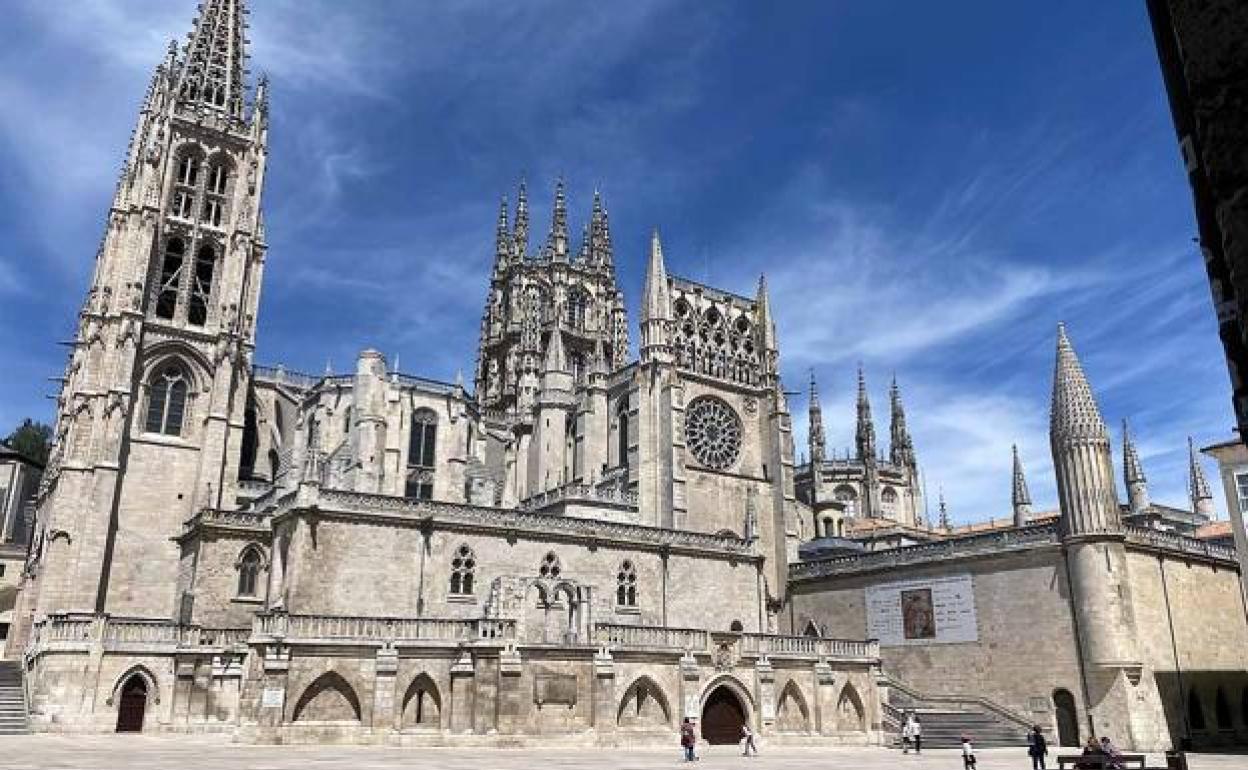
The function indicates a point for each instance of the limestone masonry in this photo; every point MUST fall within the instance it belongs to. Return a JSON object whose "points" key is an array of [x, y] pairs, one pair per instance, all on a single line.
{"points": [[381, 557]]}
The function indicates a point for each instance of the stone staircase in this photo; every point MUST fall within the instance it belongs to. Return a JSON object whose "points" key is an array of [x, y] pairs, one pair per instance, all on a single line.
{"points": [[12, 699], [946, 718]]}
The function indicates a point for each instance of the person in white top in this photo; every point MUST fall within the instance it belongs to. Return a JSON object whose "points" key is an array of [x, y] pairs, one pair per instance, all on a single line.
{"points": [[907, 734], [968, 753]]}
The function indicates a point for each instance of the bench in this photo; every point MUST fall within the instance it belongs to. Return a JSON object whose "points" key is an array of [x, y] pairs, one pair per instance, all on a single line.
{"points": [[1102, 761]]}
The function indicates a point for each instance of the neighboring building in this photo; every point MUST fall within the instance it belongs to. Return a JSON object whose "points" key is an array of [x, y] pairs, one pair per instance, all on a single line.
{"points": [[1232, 457], [1106, 621], [383, 557], [19, 482], [1200, 47], [587, 546]]}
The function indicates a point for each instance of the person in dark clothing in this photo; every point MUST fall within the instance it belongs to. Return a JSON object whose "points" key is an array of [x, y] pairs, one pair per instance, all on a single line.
{"points": [[688, 739], [1037, 748], [1094, 755]]}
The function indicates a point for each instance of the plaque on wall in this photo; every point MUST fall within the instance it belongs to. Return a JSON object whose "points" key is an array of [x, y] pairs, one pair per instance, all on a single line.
{"points": [[935, 611], [272, 698], [556, 689]]}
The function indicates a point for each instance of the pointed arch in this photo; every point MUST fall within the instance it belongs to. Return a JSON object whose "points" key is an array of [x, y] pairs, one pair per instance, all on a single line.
{"points": [[726, 704], [812, 630], [644, 707], [422, 705], [850, 714], [144, 673], [792, 713], [328, 699], [251, 562]]}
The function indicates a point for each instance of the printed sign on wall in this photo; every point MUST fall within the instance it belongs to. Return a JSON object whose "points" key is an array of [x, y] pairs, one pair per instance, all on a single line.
{"points": [[936, 611]]}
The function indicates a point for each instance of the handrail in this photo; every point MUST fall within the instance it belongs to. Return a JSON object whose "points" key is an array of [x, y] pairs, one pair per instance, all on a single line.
{"points": [[978, 700], [299, 626]]}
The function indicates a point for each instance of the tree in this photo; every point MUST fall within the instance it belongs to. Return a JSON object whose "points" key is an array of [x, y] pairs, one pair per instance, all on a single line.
{"points": [[32, 439]]}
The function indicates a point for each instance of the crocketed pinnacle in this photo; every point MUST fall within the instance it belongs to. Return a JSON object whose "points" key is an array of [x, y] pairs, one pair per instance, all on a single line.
{"points": [[655, 305], [1197, 484], [212, 68], [1074, 415], [766, 323], [1132, 468], [865, 434], [1019, 495], [817, 440], [502, 237], [558, 243], [520, 231], [556, 357], [901, 446]]}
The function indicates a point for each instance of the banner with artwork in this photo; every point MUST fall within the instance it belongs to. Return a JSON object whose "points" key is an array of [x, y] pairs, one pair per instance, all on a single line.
{"points": [[935, 611]]}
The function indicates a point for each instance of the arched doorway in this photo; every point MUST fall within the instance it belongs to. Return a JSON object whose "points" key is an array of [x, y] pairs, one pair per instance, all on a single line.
{"points": [[132, 706], [1067, 718], [722, 716]]}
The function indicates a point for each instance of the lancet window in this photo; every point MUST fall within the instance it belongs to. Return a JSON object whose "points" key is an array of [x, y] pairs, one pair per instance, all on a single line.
{"points": [[463, 567], [626, 585], [166, 402]]}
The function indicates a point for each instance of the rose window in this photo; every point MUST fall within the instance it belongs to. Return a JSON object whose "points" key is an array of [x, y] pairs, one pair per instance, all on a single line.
{"points": [[713, 432]]}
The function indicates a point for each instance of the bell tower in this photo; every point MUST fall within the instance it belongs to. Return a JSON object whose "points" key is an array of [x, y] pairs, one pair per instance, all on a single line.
{"points": [[151, 411]]}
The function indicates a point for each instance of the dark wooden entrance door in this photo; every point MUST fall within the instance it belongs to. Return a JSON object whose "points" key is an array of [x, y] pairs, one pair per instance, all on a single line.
{"points": [[1067, 718], [722, 717], [132, 706]]}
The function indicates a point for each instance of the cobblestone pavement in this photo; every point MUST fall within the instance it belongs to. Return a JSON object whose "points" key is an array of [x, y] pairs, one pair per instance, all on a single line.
{"points": [[113, 752]]}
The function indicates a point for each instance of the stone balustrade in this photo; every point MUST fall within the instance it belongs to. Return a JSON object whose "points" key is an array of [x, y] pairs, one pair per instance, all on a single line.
{"points": [[689, 639], [84, 630], [775, 645], [352, 628], [576, 492], [1170, 541]]}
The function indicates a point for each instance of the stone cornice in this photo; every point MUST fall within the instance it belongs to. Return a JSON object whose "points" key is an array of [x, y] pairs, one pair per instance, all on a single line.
{"points": [[530, 525]]}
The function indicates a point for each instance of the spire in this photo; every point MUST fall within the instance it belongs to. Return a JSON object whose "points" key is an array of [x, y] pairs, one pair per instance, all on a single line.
{"points": [[944, 510], [1020, 497], [213, 61], [1133, 473], [502, 239], [557, 245], [600, 235], [900, 446], [1198, 485], [1074, 414], [815, 436], [520, 233], [865, 436], [656, 306], [766, 324], [1087, 495]]}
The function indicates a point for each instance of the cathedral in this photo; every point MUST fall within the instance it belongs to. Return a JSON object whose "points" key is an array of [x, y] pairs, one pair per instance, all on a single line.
{"points": [[223, 546]]}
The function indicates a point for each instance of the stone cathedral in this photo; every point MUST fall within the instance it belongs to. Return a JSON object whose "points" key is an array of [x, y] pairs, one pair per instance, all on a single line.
{"points": [[382, 557]]}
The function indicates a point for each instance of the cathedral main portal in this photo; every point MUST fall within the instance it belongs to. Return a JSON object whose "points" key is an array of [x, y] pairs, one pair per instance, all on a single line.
{"points": [[722, 716]]}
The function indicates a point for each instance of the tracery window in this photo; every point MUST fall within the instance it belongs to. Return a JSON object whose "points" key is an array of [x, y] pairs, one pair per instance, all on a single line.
{"points": [[626, 585], [421, 445], [550, 567], [249, 571], [170, 276], [186, 181], [713, 432], [201, 286], [621, 432], [846, 495], [888, 500], [214, 204], [166, 403], [463, 566]]}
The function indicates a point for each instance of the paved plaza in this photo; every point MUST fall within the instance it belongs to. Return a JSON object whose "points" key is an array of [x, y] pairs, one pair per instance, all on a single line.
{"points": [[181, 752]]}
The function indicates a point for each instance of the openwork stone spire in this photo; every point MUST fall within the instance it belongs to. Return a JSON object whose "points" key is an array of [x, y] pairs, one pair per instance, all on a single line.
{"points": [[1197, 484], [901, 447], [212, 68], [1079, 440], [1133, 473], [1020, 496], [557, 244], [520, 232], [502, 239], [865, 435], [815, 435]]}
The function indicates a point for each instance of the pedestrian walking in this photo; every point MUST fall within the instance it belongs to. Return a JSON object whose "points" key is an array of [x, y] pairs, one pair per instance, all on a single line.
{"points": [[1037, 748], [907, 733], [688, 739], [968, 753], [747, 741], [917, 734]]}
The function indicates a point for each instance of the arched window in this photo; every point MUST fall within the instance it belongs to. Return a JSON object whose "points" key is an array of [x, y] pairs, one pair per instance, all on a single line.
{"points": [[888, 499], [188, 170], [576, 310], [170, 276], [829, 527], [346, 421], [249, 571], [201, 288], [550, 567], [251, 441], [736, 627], [421, 455], [621, 432], [166, 403], [185, 190], [214, 203], [462, 568], [848, 496], [217, 176], [626, 585]]}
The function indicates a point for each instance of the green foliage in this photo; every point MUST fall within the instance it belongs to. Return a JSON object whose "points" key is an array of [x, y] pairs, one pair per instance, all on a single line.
{"points": [[32, 439]]}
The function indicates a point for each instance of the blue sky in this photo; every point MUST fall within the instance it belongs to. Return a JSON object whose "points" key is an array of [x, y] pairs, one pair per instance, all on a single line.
{"points": [[929, 187]]}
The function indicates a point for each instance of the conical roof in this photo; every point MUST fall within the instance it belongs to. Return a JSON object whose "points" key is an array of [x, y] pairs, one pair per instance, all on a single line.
{"points": [[1073, 414]]}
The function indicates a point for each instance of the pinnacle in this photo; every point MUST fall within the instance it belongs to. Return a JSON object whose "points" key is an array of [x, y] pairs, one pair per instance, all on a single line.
{"points": [[1073, 414], [1020, 495], [655, 303], [1198, 485], [556, 357], [1132, 468]]}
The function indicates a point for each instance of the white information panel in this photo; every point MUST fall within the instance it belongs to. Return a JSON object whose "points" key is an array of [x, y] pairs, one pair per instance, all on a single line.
{"points": [[272, 698], [935, 611]]}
